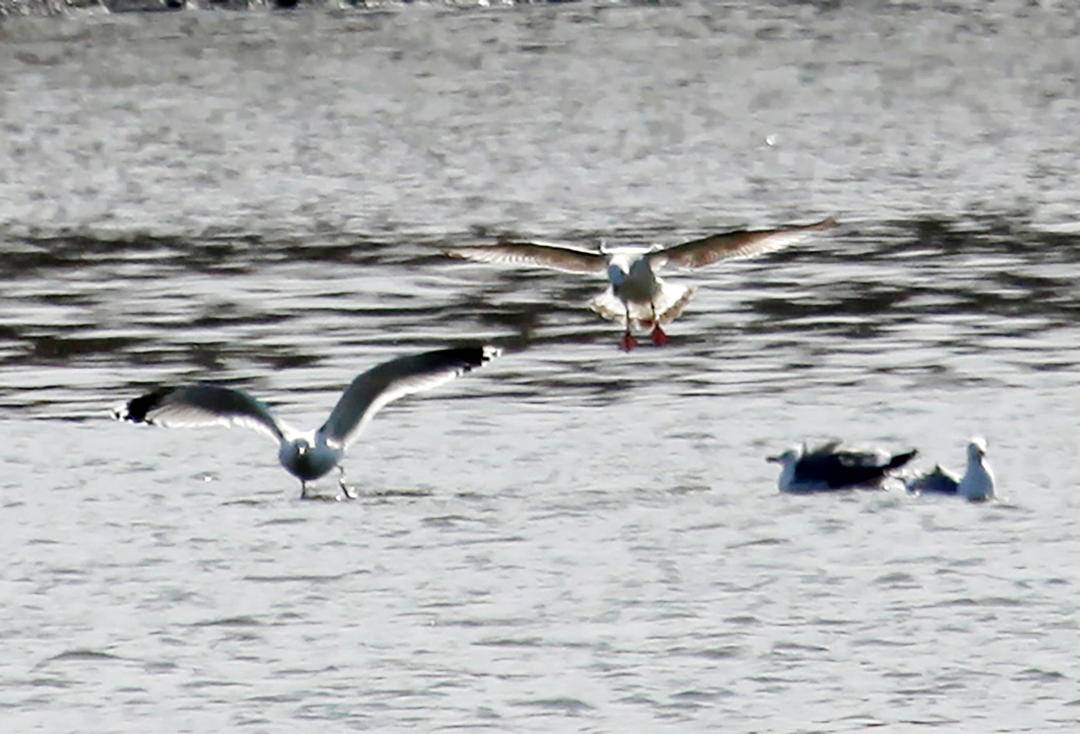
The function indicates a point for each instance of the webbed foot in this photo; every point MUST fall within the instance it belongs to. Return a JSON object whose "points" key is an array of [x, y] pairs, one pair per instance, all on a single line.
{"points": [[659, 337], [346, 490]]}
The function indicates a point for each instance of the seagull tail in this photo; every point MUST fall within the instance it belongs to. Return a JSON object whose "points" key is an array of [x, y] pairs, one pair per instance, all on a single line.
{"points": [[900, 459]]}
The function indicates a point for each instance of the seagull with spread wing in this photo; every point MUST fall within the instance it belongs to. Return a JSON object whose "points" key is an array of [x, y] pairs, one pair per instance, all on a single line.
{"points": [[636, 296], [308, 457]]}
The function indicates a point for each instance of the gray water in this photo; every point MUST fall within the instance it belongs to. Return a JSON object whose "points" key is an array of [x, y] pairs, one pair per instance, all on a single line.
{"points": [[573, 538]]}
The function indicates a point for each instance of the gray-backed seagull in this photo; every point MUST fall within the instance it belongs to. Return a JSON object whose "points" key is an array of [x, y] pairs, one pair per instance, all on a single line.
{"points": [[977, 484], [313, 455]]}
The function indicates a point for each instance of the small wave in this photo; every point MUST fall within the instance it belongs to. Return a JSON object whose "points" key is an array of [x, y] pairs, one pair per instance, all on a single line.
{"points": [[301, 578], [82, 654], [570, 706], [240, 621]]}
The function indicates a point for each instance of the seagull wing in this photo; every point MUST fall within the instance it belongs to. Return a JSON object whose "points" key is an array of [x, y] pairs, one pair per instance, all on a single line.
{"points": [[537, 254], [939, 481], [200, 405], [868, 459], [829, 447], [732, 245], [371, 390]]}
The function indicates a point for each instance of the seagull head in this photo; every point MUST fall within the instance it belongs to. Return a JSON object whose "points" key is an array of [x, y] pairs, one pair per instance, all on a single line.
{"points": [[302, 447], [976, 448], [788, 457]]}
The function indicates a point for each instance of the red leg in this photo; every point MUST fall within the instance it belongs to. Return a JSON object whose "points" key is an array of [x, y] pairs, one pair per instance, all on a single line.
{"points": [[628, 341], [659, 338]]}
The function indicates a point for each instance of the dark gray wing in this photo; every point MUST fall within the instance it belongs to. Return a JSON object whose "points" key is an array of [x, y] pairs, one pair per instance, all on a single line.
{"points": [[200, 405], [836, 470], [870, 459], [387, 382], [732, 245], [938, 481], [555, 257], [845, 468]]}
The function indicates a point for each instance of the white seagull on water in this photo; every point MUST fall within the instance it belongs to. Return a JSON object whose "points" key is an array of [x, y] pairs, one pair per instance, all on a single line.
{"points": [[977, 484], [311, 456], [636, 296], [830, 467]]}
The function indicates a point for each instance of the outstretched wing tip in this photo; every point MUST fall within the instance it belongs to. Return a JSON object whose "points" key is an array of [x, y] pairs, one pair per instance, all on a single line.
{"points": [[137, 409], [488, 352], [198, 404], [123, 414]]}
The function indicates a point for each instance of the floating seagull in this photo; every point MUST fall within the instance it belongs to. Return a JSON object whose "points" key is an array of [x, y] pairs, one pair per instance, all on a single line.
{"points": [[308, 457], [636, 296], [976, 484], [830, 467]]}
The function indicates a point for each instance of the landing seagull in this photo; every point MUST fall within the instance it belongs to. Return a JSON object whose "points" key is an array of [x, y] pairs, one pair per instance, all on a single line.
{"points": [[829, 467], [636, 296], [311, 456], [977, 483]]}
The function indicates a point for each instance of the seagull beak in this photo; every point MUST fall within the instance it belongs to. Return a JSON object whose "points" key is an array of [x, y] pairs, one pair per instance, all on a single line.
{"points": [[772, 459]]}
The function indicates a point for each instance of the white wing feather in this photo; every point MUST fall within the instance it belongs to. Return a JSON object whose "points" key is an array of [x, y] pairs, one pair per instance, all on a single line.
{"points": [[555, 257], [734, 245]]}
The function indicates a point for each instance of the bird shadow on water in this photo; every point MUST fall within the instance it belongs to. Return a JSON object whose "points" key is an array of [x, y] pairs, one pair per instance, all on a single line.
{"points": [[262, 498], [267, 498], [391, 492], [355, 494]]}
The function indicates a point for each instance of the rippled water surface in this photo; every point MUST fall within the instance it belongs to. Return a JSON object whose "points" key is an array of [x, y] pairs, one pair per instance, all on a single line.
{"points": [[573, 538]]}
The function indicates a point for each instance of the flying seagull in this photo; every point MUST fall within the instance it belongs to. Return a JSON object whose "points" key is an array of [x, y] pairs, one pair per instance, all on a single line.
{"points": [[977, 483], [830, 467], [311, 456], [636, 296]]}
